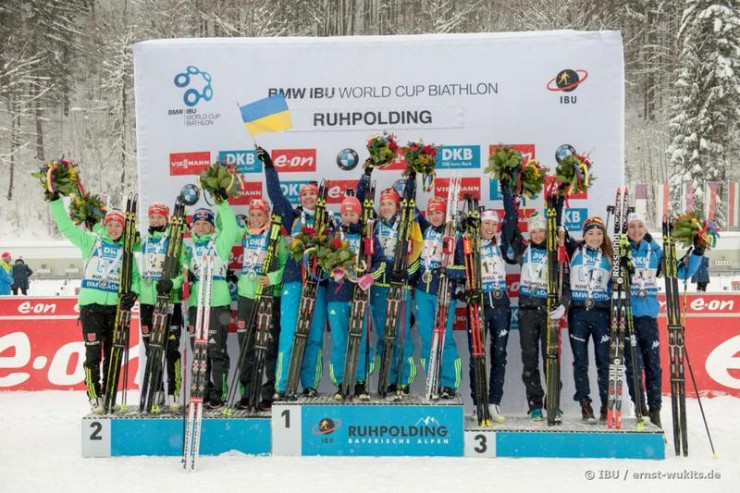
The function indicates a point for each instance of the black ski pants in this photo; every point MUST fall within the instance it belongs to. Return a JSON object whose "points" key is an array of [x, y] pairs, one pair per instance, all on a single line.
{"points": [[172, 345], [97, 332], [246, 314]]}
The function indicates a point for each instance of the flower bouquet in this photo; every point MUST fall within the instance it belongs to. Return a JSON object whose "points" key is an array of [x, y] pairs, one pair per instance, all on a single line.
{"points": [[336, 257], [88, 209], [59, 177], [573, 172], [382, 149], [691, 228], [221, 181], [421, 159]]}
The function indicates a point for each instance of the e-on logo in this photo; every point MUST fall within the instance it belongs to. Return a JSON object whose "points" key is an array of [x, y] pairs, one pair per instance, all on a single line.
{"points": [[567, 80], [192, 96], [347, 159]]}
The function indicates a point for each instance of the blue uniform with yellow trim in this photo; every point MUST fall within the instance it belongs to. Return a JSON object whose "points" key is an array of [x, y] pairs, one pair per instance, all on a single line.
{"points": [[312, 368], [339, 296], [425, 301], [386, 231]]}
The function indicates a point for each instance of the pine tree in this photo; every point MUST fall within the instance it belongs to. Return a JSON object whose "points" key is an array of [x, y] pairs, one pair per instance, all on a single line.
{"points": [[705, 118]]}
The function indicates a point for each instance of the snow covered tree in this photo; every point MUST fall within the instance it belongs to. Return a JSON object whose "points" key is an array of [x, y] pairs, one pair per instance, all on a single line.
{"points": [[705, 118]]}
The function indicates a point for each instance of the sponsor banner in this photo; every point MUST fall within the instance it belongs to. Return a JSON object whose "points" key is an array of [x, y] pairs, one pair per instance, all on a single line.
{"points": [[382, 430], [189, 163], [251, 190], [245, 161], [186, 90], [41, 346], [336, 190], [523, 217], [292, 192], [715, 353], [468, 186], [573, 218], [294, 160], [456, 157]]}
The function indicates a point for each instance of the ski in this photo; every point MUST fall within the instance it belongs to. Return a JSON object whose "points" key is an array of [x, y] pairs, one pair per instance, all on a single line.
{"points": [[360, 297], [199, 376], [307, 303], [474, 301], [676, 351], [259, 336], [552, 339], [120, 339], [443, 292], [151, 393], [398, 285]]}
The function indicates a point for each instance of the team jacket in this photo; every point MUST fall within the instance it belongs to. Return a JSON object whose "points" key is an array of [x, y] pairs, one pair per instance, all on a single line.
{"points": [[220, 244], [590, 272], [431, 258], [343, 291], [255, 250], [102, 260], [153, 249]]}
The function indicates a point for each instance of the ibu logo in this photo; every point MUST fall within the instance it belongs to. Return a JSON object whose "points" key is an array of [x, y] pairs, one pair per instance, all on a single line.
{"points": [[456, 157], [573, 218], [245, 161], [292, 190]]}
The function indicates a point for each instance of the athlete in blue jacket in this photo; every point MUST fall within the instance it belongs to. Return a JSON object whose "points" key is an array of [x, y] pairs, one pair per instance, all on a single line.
{"points": [[588, 316], [294, 219], [425, 295], [647, 257], [386, 231], [339, 296]]}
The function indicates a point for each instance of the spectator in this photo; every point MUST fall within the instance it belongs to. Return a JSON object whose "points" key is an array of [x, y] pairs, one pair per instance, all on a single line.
{"points": [[701, 277], [21, 273], [6, 279]]}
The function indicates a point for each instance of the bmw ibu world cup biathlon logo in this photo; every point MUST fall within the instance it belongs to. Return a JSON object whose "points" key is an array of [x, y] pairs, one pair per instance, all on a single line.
{"points": [[347, 159], [198, 83]]}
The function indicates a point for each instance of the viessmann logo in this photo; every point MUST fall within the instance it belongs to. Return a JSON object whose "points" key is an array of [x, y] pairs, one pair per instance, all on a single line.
{"points": [[189, 163], [294, 160], [468, 186], [251, 190]]}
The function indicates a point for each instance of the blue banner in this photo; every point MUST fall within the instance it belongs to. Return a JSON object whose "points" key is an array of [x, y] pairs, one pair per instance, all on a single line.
{"points": [[245, 161], [458, 157]]}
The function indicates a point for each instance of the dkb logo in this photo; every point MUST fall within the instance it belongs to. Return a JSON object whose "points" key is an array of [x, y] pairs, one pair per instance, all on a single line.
{"points": [[193, 75]]}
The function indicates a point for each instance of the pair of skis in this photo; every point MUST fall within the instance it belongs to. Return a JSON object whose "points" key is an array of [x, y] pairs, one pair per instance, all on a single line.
{"points": [[555, 268], [199, 376], [151, 392], [307, 303], [443, 292], [676, 348], [396, 309], [474, 301], [258, 335], [358, 321], [621, 324], [121, 329]]}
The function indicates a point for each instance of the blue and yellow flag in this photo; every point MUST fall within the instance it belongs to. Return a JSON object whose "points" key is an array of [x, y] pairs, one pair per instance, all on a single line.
{"points": [[266, 115]]}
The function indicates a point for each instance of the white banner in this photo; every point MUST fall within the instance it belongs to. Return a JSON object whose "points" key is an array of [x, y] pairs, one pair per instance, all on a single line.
{"points": [[465, 92]]}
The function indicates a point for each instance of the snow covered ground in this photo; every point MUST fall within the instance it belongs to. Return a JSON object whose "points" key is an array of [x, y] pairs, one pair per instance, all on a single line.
{"points": [[40, 452]]}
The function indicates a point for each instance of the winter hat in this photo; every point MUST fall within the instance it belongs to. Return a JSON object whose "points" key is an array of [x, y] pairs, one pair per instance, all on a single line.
{"points": [[635, 216], [390, 194], [436, 204], [204, 214], [536, 221], [114, 216], [6, 256], [159, 208], [593, 223], [351, 204], [259, 205], [489, 215], [310, 187]]}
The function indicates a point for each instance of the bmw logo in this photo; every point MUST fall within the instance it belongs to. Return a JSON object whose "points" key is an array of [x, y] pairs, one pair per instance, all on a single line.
{"points": [[347, 159], [189, 194], [563, 152]]}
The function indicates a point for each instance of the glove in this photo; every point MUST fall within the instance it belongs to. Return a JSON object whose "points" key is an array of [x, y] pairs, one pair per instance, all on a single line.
{"points": [[164, 287], [51, 195], [220, 195], [557, 313], [368, 166], [128, 300], [264, 156], [504, 181]]}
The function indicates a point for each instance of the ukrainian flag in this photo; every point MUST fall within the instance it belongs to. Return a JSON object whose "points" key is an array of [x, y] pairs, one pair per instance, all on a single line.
{"points": [[266, 115]]}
